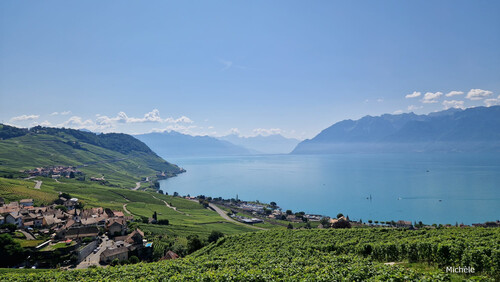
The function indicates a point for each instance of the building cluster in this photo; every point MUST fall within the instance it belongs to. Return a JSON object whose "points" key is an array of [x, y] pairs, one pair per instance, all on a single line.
{"points": [[84, 228], [54, 171]]}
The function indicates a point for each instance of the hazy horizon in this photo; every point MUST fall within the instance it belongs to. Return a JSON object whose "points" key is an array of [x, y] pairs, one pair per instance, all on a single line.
{"points": [[260, 68]]}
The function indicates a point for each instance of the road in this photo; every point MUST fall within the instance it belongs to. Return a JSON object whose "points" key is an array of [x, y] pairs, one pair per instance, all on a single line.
{"points": [[93, 259], [224, 215], [38, 184], [28, 236]]}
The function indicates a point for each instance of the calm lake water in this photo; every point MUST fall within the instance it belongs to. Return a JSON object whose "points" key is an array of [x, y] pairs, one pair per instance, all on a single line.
{"points": [[433, 188]]}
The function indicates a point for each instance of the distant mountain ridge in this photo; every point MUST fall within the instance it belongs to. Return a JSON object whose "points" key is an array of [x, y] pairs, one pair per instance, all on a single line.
{"points": [[271, 144], [454, 130], [169, 144]]}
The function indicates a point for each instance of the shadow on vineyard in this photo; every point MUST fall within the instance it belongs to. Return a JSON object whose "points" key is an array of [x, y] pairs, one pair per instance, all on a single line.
{"points": [[319, 255]]}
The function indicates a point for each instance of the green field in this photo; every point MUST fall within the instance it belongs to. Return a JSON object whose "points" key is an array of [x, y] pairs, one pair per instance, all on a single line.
{"points": [[189, 219], [315, 255]]}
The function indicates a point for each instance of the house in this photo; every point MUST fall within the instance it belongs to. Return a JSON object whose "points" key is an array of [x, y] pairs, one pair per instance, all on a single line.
{"points": [[70, 204], [15, 218], [341, 222], [135, 237], [108, 255], [117, 226], [50, 220], [75, 215], [26, 202], [170, 255], [402, 223]]}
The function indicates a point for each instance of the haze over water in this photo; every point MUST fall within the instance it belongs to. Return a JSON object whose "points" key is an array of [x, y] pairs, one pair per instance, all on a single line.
{"points": [[433, 188]]}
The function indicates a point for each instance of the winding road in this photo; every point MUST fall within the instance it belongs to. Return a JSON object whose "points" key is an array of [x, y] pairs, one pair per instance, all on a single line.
{"points": [[38, 184], [224, 215]]}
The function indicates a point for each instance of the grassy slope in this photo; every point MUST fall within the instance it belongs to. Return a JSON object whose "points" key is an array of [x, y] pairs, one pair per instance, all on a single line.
{"points": [[192, 218], [313, 255], [36, 150]]}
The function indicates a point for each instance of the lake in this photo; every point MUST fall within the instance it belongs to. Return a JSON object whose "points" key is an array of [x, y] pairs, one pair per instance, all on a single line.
{"points": [[432, 188]]}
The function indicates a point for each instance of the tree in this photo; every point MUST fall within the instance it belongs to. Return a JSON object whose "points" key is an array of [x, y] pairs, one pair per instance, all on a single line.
{"points": [[176, 194], [155, 216], [163, 222], [290, 226], [12, 252], [10, 226], [114, 262], [71, 175], [214, 236], [62, 208], [370, 221], [308, 225], [133, 260], [324, 221], [160, 191], [289, 212], [194, 243], [340, 215], [273, 204]]}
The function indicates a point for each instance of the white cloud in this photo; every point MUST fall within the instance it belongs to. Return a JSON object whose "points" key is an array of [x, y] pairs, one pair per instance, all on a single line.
{"points": [[492, 102], [77, 122], [415, 94], [177, 127], [153, 117], [227, 64], [267, 132], [453, 104], [478, 94], [25, 117], [430, 97], [398, 112], [380, 100], [454, 93], [413, 107], [61, 113], [182, 119]]}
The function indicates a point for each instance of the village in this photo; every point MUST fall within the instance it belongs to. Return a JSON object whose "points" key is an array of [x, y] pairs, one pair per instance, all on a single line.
{"points": [[71, 236], [256, 212]]}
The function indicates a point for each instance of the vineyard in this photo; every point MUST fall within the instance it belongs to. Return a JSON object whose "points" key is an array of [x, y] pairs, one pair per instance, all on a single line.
{"points": [[315, 255]]}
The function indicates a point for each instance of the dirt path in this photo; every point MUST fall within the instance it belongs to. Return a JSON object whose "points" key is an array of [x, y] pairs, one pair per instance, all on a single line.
{"points": [[137, 186], [38, 184], [166, 204], [226, 217], [125, 209]]}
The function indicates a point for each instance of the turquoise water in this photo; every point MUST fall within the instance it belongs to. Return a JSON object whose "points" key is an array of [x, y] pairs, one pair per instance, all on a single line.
{"points": [[433, 188]]}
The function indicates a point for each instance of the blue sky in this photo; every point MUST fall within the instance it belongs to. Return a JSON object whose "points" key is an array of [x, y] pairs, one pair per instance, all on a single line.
{"points": [[215, 67]]}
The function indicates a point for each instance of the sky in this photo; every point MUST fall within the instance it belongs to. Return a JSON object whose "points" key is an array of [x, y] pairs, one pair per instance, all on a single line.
{"points": [[245, 67]]}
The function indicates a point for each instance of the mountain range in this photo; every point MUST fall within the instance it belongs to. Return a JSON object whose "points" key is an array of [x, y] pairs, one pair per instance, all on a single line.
{"points": [[453, 130], [271, 144], [175, 144]]}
